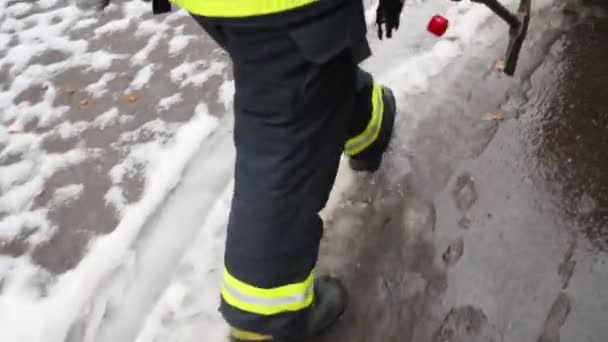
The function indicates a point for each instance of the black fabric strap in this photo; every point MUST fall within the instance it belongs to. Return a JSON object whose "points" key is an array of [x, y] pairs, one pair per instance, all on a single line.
{"points": [[161, 6]]}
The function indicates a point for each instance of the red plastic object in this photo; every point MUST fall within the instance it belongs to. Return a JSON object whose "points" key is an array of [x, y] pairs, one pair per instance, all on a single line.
{"points": [[438, 25]]}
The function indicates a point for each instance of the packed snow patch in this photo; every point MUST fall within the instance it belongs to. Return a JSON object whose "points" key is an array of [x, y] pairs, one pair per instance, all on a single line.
{"points": [[47, 3], [227, 93], [15, 173], [113, 26], [102, 60], [115, 197], [34, 224], [107, 118], [169, 101], [190, 73], [99, 88], [18, 9], [85, 23], [143, 77], [19, 197], [178, 43], [67, 130], [66, 194], [193, 294]]}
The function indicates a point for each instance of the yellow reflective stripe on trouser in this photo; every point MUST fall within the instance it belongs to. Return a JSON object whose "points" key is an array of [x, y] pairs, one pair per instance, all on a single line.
{"points": [[292, 297], [239, 8], [362, 141], [249, 336]]}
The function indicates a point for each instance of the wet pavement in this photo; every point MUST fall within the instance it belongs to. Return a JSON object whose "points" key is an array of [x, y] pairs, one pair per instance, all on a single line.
{"points": [[569, 133], [491, 224]]}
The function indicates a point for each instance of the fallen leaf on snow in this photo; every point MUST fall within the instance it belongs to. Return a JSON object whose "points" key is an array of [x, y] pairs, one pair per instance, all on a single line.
{"points": [[500, 65], [132, 97], [494, 116], [69, 90]]}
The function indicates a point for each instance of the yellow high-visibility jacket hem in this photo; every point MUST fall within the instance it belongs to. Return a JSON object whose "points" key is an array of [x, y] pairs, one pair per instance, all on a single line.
{"points": [[239, 8]]}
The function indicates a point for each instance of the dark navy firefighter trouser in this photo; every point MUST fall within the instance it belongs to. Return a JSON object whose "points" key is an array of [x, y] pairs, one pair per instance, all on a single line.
{"points": [[300, 99]]}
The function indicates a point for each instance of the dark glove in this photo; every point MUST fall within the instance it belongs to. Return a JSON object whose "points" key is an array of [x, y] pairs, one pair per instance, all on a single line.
{"points": [[388, 14]]}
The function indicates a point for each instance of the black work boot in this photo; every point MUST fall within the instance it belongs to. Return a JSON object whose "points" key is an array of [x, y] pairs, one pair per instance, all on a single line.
{"points": [[370, 159], [329, 304]]}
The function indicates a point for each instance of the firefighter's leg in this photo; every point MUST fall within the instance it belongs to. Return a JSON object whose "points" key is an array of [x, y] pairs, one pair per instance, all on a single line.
{"points": [[372, 124], [291, 119]]}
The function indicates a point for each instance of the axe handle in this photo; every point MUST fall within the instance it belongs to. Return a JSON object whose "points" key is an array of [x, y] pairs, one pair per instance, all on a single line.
{"points": [[501, 11]]}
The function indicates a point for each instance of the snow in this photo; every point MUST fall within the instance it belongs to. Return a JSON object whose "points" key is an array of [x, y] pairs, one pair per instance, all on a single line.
{"points": [[15, 173], [44, 111], [143, 77], [216, 68], [152, 129], [33, 225], [113, 26], [149, 27], [19, 302], [107, 118], [143, 55], [20, 143], [134, 9], [182, 71], [47, 3], [209, 175], [67, 194], [19, 9], [11, 24], [188, 73], [169, 101], [20, 197], [413, 74], [102, 60], [115, 198], [32, 302], [36, 40], [109, 251], [178, 43], [99, 88], [4, 40], [166, 164], [227, 93], [195, 311], [68, 130], [12, 226], [85, 23]]}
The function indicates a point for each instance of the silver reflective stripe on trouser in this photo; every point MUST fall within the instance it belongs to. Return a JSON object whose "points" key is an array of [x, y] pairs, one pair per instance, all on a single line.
{"points": [[362, 141], [270, 302], [263, 301]]}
